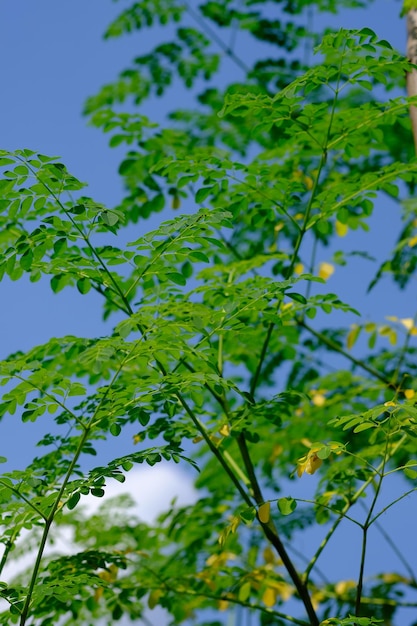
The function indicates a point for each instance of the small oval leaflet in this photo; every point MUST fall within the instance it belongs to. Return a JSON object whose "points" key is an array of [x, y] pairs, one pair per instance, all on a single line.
{"points": [[286, 506]]}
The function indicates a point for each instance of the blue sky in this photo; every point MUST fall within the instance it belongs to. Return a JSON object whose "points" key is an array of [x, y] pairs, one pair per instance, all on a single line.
{"points": [[55, 58]]}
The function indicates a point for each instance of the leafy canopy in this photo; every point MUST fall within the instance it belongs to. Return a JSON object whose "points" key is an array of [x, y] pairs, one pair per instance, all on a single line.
{"points": [[226, 349]]}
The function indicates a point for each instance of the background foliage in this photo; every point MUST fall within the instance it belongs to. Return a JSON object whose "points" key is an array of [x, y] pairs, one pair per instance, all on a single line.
{"points": [[228, 351]]}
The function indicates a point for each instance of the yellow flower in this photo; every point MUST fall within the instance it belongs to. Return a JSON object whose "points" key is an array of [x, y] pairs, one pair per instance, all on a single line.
{"points": [[343, 586], [222, 605], [325, 270], [409, 393], [225, 430], [341, 229], [318, 399], [407, 322], [309, 464]]}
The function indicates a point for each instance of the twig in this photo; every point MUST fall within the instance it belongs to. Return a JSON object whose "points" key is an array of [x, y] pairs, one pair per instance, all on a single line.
{"points": [[412, 74]]}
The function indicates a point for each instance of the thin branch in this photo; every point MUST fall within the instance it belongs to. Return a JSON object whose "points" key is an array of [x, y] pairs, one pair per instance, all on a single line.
{"points": [[21, 496], [365, 529], [214, 36], [407, 338], [412, 74], [248, 605], [185, 589], [215, 451], [385, 509], [271, 533], [51, 397], [393, 547], [331, 509], [351, 502], [84, 237], [269, 528], [48, 524], [58, 500], [7, 549], [297, 246], [336, 348]]}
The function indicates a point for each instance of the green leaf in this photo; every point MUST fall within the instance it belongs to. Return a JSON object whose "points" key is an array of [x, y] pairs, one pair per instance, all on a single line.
{"points": [[298, 297], [203, 193], [26, 260], [287, 505], [155, 205], [58, 282], [248, 515], [244, 591], [73, 500], [109, 217], [115, 430], [22, 170], [364, 426], [83, 285], [176, 278], [410, 473]]}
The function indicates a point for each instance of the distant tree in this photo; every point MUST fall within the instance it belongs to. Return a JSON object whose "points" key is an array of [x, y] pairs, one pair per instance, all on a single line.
{"points": [[230, 350]]}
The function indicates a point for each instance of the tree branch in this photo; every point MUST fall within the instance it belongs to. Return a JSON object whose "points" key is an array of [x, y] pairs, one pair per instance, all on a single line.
{"points": [[411, 79]]}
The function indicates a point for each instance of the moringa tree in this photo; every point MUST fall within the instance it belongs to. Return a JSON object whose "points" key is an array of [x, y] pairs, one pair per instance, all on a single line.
{"points": [[229, 351]]}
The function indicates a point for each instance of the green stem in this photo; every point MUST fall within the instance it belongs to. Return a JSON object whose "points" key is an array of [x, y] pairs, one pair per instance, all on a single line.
{"points": [[50, 518], [269, 529], [351, 502], [7, 549], [394, 546], [162, 251], [214, 450], [294, 255], [271, 534], [48, 523], [237, 469], [365, 529], [220, 355], [213, 35], [51, 397], [385, 509], [331, 509], [336, 348], [403, 353], [24, 498], [311, 268], [86, 239]]}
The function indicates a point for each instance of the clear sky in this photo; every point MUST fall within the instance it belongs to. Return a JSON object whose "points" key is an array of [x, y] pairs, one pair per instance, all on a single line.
{"points": [[57, 58], [53, 58]]}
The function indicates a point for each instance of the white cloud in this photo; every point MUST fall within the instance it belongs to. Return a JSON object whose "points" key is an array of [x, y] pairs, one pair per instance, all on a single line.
{"points": [[152, 489]]}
